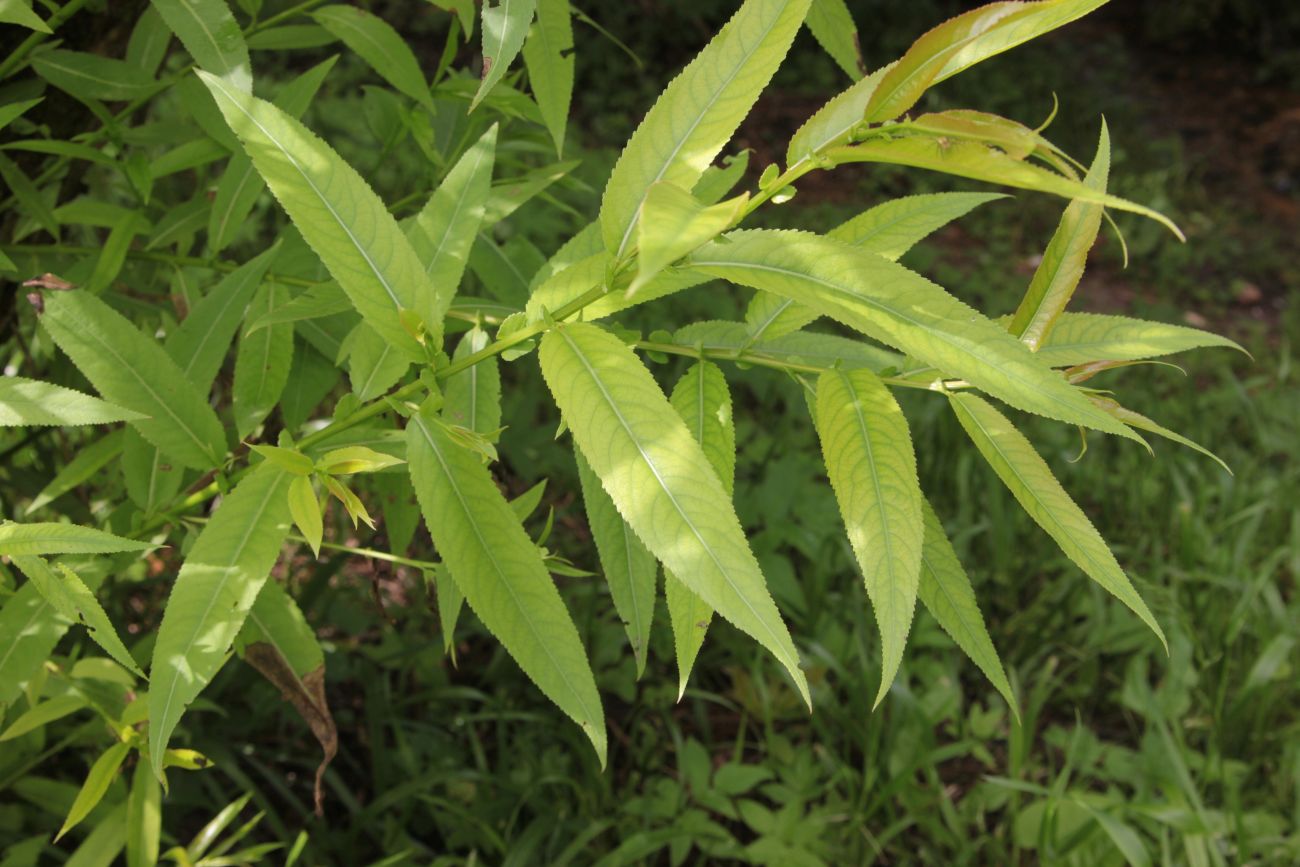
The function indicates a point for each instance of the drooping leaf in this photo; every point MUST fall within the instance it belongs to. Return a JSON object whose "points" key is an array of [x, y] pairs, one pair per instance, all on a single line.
{"points": [[505, 26], [261, 363], [501, 572], [212, 36], [946, 592], [695, 116], [279, 643], [131, 369], [980, 162], [446, 227], [337, 213], [964, 41], [304, 507], [90, 76], [660, 480], [1079, 338], [702, 399], [211, 597], [548, 54], [867, 448], [673, 223], [1061, 269], [718, 180], [74, 600], [20, 12], [450, 603], [630, 569], [472, 397], [240, 184], [27, 402], [1141, 422], [375, 41], [46, 538], [888, 302], [1031, 482], [832, 25]]}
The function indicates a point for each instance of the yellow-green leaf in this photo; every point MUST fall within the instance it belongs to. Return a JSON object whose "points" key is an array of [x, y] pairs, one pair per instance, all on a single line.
{"points": [[946, 592], [660, 480], [337, 213], [1079, 338], [1031, 482], [43, 539], [673, 223], [695, 116], [304, 507], [212, 36], [868, 452], [548, 54], [217, 585], [96, 785], [505, 26], [501, 572], [27, 402], [702, 399], [887, 302], [378, 44], [1061, 269]]}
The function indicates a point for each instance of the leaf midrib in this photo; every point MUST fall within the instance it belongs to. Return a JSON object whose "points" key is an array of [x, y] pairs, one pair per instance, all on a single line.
{"points": [[943, 336], [726, 576], [501, 573]]}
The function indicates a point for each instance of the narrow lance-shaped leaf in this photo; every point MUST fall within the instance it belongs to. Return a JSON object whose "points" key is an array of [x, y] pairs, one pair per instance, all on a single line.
{"points": [[74, 600], [89, 459], [834, 122], [630, 569], [472, 397], [1141, 422], [946, 592], [240, 184], [1061, 269], [1031, 482], [660, 480], [1079, 338], [29, 403], [278, 642], [29, 630], [548, 54], [887, 302], [868, 452], [378, 44], [43, 539], [501, 572], [673, 223], [262, 363], [702, 399], [131, 369], [698, 112], [96, 786], [980, 162], [374, 364], [505, 26], [211, 597], [832, 25], [337, 213], [212, 36], [143, 817], [90, 76], [445, 229], [889, 229], [964, 41]]}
